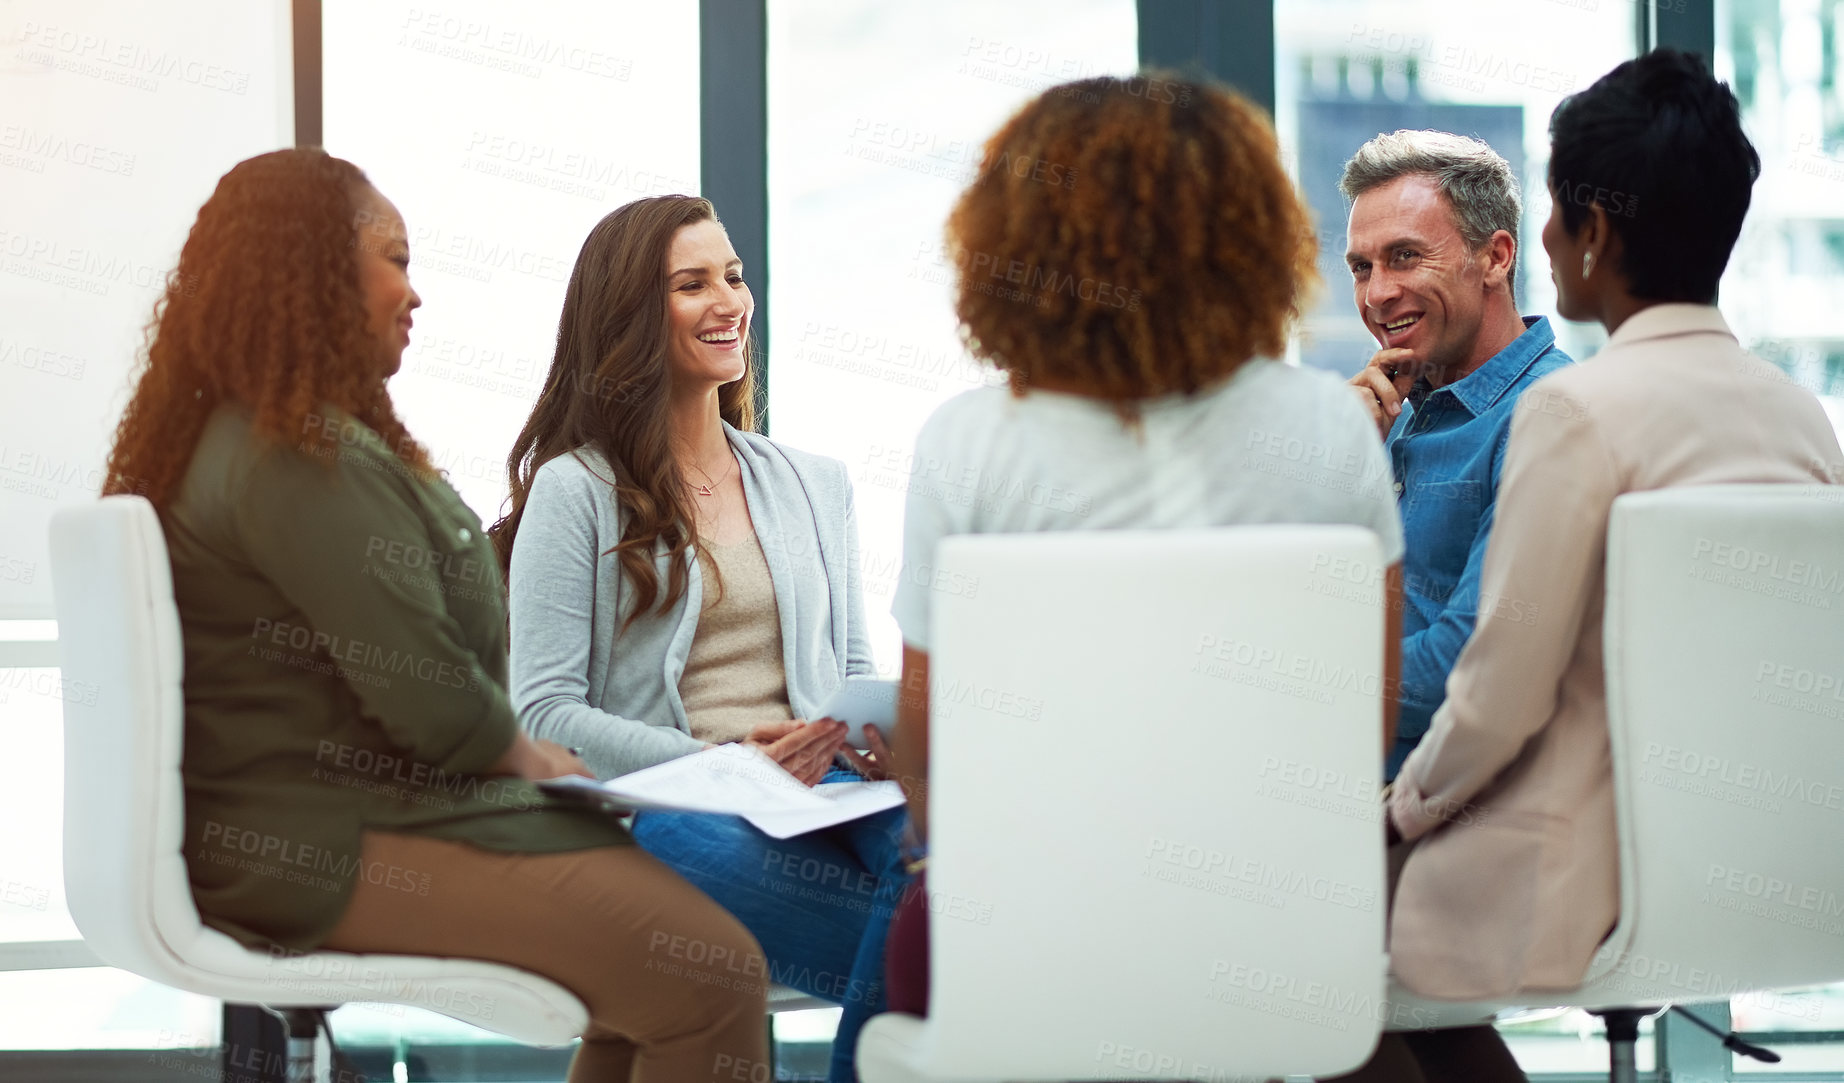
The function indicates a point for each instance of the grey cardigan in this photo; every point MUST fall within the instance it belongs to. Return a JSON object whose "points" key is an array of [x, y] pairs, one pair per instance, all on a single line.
{"points": [[581, 681]]}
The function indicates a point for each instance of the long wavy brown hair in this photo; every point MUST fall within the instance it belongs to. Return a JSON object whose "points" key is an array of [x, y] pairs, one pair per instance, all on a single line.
{"points": [[1129, 238], [607, 390], [264, 311]]}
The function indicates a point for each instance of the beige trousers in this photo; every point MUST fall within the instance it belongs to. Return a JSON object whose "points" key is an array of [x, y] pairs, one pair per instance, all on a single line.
{"points": [[676, 987]]}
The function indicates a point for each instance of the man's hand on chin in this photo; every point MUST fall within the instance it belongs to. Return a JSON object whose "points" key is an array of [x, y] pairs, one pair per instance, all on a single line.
{"points": [[1384, 383]]}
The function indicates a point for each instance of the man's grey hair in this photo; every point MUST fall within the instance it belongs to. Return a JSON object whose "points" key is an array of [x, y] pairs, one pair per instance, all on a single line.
{"points": [[1476, 179]]}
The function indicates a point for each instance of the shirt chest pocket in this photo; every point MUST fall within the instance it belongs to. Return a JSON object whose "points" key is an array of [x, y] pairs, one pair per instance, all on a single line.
{"points": [[457, 562], [1439, 522]]}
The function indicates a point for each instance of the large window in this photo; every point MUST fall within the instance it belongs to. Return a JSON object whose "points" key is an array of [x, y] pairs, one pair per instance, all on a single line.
{"points": [[1785, 59], [503, 133], [877, 113], [116, 120], [1346, 71]]}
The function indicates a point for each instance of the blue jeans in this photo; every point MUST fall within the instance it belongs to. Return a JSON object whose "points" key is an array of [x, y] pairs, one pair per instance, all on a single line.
{"points": [[819, 904]]}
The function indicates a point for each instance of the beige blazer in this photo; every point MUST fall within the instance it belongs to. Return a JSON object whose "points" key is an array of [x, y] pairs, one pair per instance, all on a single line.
{"points": [[1514, 882]]}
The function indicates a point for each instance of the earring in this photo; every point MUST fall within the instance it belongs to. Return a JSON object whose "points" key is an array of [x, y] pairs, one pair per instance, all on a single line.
{"points": [[1587, 265]]}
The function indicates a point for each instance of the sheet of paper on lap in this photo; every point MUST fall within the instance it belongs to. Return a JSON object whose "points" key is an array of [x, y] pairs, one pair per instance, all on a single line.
{"points": [[735, 780]]}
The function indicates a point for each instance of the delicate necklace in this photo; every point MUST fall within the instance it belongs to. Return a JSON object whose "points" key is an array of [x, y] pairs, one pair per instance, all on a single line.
{"points": [[709, 488]]}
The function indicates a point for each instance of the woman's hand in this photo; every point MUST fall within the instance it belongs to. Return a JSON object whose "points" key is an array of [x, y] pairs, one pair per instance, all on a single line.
{"points": [[879, 765], [535, 761], [552, 760], [803, 749]]}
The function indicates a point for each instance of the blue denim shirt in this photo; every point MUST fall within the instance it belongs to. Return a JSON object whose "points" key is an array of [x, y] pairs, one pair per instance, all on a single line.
{"points": [[1447, 448]]}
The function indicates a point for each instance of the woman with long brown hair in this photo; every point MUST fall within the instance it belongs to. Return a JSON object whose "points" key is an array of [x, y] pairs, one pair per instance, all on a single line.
{"points": [[678, 580], [355, 776]]}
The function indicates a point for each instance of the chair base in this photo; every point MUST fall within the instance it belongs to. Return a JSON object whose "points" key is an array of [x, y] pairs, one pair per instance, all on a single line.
{"points": [[303, 1028], [1622, 1041]]}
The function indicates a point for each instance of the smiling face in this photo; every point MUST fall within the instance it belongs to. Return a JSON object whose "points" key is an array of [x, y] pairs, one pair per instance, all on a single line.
{"points": [[708, 308], [384, 277], [1417, 284]]}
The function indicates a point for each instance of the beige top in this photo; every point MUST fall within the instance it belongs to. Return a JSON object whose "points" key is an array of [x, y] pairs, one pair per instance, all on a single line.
{"points": [[1514, 880], [734, 679]]}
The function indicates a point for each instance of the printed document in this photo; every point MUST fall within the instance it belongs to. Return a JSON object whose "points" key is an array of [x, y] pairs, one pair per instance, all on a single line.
{"points": [[736, 780]]}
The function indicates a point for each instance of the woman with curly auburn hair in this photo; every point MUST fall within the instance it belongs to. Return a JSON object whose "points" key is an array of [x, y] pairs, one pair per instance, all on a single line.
{"points": [[1132, 255], [355, 776], [252, 290], [1127, 239], [678, 580]]}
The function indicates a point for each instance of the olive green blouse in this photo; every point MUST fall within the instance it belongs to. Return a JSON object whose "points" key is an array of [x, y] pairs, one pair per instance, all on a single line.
{"points": [[345, 670]]}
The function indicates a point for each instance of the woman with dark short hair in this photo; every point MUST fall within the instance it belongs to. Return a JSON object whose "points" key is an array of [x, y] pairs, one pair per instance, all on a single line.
{"points": [[1132, 256], [1650, 176], [344, 634]]}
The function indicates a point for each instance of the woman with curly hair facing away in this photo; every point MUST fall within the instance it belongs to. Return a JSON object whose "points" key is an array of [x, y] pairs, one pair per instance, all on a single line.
{"points": [[679, 580], [1132, 256], [355, 777]]}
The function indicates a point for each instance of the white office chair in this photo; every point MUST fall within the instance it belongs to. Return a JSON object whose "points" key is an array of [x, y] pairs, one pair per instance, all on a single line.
{"points": [[124, 811], [1155, 845], [1725, 692]]}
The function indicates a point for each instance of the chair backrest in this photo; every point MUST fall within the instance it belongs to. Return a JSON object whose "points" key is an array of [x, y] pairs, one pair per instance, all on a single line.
{"points": [[124, 721], [1725, 691], [1153, 825]]}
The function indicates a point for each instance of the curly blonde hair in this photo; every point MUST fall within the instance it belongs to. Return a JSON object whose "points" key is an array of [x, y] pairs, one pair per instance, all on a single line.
{"points": [[264, 310], [1128, 238]]}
